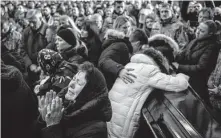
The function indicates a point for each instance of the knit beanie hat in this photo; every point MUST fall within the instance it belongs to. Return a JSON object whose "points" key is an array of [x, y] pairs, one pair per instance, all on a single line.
{"points": [[67, 35]]}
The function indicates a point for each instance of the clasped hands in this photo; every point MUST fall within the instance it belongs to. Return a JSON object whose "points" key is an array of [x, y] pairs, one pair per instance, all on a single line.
{"points": [[50, 108]]}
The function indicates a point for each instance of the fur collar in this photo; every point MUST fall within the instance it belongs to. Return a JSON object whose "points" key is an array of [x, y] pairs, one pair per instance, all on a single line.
{"points": [[168, 40], [110, 33], [152, 57]]}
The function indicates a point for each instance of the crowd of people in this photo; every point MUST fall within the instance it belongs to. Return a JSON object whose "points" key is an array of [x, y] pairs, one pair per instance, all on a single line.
{"points": [[83, 69]]}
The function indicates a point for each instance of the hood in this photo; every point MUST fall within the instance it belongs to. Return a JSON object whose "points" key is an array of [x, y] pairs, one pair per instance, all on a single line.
{"points": [[152, 57], [111, 33], [167, 40], [113, 36]]}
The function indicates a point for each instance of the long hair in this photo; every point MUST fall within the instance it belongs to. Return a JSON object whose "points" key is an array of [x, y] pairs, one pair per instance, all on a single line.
{"points": [[121, 20]]}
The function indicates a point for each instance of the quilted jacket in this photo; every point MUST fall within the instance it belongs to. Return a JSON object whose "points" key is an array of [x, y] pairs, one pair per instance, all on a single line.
{"points": [[128, 99]]}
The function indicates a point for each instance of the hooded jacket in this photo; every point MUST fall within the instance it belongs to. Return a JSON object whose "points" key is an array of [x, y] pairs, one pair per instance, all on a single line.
{"points": [[128, 99], [116, 50]]}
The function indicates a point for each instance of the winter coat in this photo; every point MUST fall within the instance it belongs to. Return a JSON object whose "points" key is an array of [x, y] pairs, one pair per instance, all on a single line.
{"points": [[48, 21], [172, 28], [115, 55], [198, 60], [75, 55], [32, 43], [91, 110], [215, 80], [93, 44], [13, 58], [128, 99], [19, 104]]}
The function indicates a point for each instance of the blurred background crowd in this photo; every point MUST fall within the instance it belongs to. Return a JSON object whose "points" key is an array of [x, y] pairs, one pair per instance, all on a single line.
{"points": [[78, 50]]}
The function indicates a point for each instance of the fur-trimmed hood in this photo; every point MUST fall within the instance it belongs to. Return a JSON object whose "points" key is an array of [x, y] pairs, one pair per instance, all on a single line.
{"points": [[110, 33], [152, 57], [167, 40], [114, 36]]}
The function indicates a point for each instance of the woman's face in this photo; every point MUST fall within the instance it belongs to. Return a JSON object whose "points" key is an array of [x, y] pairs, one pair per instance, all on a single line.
{"points": [[5, 28], [149, 22], [75, 12], [61, 44], [202, 31], [108, 13], [125, 28], [76, 86], [64, 22], [79, 21], [84, 33]]}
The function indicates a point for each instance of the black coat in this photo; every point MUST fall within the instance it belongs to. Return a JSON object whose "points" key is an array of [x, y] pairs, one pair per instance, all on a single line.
{"points": [[86, 117], [19, 104], [115, 55], [32, 43], [75, 55], [198, 60], [60, 79], [94, 49]]}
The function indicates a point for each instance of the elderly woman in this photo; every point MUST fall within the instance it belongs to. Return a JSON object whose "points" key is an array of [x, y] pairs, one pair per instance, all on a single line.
{"points": [[70, 46], [198, 59], [116, 51], [86, 107], [152, 70]]}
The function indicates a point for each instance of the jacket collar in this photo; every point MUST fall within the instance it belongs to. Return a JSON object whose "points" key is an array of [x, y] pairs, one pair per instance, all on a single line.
{"points": [[43, 28], [171, 20]]}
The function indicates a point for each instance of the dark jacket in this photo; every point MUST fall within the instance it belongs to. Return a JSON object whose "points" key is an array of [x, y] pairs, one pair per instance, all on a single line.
{"points": [[93, 44], [115, 55], [32, 43], [60, 79], [198, 60], [87, 116], [19, 104], [75, 55]]}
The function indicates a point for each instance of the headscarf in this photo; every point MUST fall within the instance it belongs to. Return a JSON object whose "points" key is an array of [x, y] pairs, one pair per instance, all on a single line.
{"points": [[49, 60], [94, 90]]}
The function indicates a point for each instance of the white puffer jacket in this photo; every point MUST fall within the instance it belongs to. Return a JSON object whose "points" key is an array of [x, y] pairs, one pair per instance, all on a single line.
{"points": [[128, 99]]}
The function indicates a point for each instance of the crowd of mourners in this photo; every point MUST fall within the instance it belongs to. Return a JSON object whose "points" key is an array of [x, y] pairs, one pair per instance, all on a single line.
{"points": [[83, 69]]}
